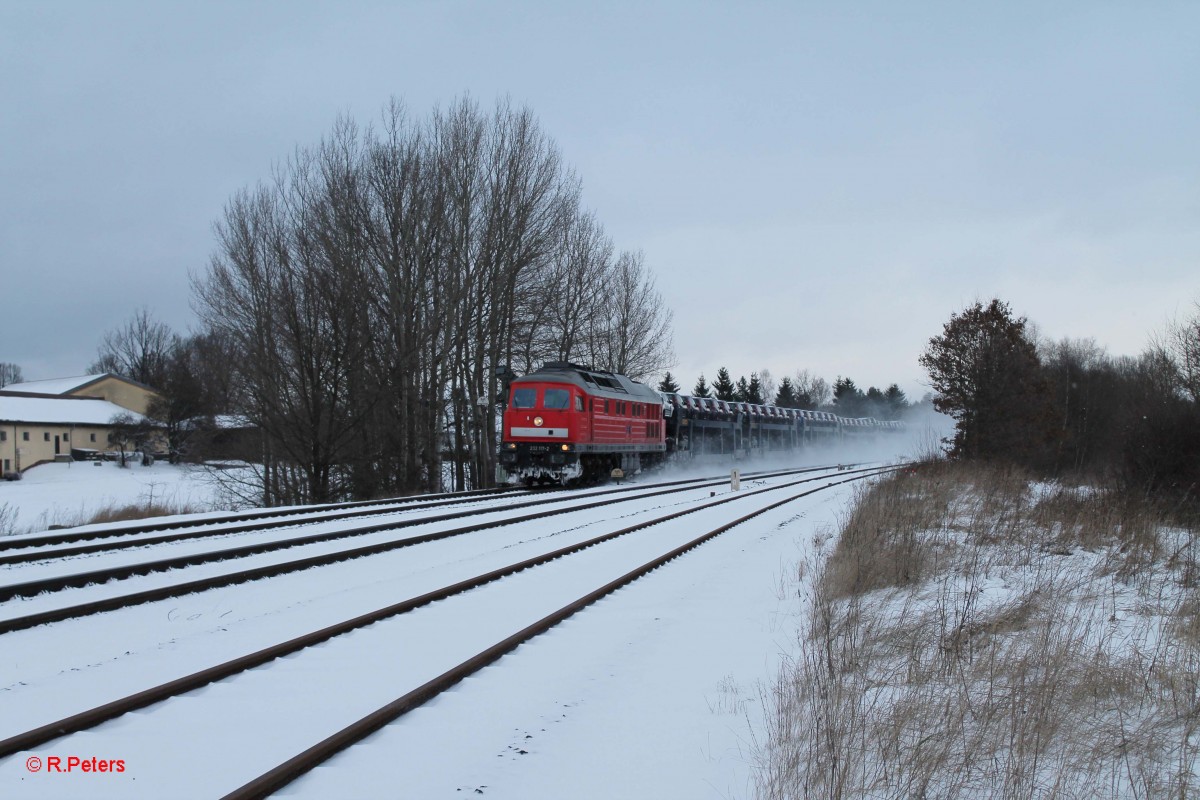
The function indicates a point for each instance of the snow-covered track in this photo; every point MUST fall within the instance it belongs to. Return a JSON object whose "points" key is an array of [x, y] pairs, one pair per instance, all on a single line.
{"points": [[36, 549], [79, 580], [117, 538], [87, 719]]}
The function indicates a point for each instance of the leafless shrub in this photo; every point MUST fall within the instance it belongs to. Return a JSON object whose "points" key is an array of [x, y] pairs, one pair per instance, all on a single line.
{"points": [[8, 519], [1041, 643]]}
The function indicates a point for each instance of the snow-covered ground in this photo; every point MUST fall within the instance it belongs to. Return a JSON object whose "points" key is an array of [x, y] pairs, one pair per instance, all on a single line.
{"points": [[652, 692], [69, 494]]}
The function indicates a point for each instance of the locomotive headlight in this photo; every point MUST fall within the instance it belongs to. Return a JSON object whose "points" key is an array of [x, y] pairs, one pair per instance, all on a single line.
{"points": [[511, 445], [566, 448], [537, 422]]}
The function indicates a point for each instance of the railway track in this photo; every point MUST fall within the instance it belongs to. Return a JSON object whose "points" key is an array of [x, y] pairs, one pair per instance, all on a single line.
{"points": [[109, 538], [235, 519], [176, 589], [288, 770], [224, 527]]}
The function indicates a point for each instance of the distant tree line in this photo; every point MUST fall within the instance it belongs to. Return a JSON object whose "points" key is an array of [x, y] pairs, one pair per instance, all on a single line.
{"points": [[1068, 407], [191, 374], [803, 390], [371, 296]]}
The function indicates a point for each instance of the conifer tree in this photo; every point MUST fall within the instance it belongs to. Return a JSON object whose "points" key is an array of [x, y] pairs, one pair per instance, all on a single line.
{"points": [[785, 397], [668, 384], [742, 393], [897, 401], [847, 398], [754, 390], [723, 386], [701, 388]]}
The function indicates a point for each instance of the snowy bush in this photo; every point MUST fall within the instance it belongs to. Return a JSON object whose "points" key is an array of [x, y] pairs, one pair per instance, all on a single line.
{"points": [[968, 639]]}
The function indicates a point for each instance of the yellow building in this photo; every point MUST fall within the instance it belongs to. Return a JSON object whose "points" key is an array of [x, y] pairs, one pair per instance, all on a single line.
{"points": [[128, 394], [43, 421]]}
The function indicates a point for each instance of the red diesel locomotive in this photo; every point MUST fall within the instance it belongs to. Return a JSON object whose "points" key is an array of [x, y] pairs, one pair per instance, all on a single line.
{"points": [[567, 423]]}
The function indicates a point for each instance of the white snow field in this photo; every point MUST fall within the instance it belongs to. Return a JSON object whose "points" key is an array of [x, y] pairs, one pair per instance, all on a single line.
{"points": [[651, 692], [68, 494]]}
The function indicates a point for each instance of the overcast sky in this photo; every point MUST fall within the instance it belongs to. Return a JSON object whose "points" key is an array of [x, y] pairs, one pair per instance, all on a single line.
{"points": [[815, 185]]}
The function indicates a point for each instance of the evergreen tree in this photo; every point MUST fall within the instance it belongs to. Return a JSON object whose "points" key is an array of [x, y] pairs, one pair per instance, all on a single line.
{"points": [[668, 384], [874, 405], [785, 397], [847, 398], [897, 401], [754, 392], [701, 388], [742, 393], [723, 386]]}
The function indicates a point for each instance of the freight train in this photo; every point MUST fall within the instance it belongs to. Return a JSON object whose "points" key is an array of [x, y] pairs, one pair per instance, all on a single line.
{"points": [[566, 424]]}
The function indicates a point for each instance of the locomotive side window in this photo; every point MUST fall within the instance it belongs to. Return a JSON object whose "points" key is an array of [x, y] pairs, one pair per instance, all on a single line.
{"points": [[578, 403], [524, 398], [556, 399]]}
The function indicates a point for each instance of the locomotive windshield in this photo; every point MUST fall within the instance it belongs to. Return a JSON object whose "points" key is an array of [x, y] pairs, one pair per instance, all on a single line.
{"points": [[556, 398], [524, 398]]}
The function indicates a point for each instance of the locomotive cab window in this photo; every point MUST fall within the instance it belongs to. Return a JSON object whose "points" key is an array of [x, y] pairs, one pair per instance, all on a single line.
{"points": [[556, 399], [524, 398], [578, 403]]}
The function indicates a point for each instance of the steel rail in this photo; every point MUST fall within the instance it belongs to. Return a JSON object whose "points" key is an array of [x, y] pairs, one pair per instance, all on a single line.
{"points": [[80, 579], [279, 777], [271, 570], [445, 498], [95, 716], [112, 538], [255, 525]]}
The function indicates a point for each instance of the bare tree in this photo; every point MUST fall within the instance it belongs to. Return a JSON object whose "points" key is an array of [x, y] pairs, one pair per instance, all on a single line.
{"points": [[812, 391], [9, 373], [1180, 344], [634, 334], [369, 295], [572, 287], [138, 350], [128, 432], [766, 384], [285, 289]]}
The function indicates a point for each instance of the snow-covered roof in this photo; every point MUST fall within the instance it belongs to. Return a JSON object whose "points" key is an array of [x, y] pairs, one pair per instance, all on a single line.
{"points": [[60, 410], [54, 385], [232, 422]]}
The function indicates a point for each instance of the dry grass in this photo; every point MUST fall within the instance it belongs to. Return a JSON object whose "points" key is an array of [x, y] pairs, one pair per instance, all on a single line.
{"points": [[973, 635], [132, 511]]}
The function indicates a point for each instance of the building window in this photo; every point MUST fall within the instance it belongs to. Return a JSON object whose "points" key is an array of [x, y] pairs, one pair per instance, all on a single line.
{"points": [[46, 436], [25, 436], [93, 437], [66, 437], [7, 465], [3, 436]]}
